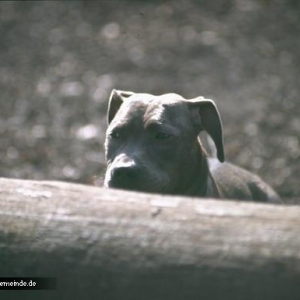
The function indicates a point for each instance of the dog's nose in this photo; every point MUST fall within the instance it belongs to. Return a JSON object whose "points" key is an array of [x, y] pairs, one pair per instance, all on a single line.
{"points": [[125, 173]]}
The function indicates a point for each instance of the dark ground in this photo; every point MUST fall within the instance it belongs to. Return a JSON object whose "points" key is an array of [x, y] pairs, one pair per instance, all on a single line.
{"points": [[59, 61]]}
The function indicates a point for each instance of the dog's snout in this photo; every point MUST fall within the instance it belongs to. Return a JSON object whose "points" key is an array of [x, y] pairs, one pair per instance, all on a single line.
{"points": [[125, 173]]}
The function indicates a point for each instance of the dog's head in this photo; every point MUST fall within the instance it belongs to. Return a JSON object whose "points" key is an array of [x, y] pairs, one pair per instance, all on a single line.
{"points": [[152, 141]]}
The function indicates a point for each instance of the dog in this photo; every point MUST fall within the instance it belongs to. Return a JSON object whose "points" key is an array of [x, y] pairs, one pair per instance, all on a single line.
{"points": [[152, 145]]}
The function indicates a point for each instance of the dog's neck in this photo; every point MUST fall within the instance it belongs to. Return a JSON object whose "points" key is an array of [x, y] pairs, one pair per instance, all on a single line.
{"points": [[201, 183], [196, 183]]}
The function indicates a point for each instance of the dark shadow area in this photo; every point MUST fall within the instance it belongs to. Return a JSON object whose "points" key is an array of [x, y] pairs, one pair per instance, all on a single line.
{"points": [[59, 60]]}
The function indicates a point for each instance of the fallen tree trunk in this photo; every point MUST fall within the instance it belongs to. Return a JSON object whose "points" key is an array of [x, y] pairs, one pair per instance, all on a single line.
{"points": [[106, 244]]}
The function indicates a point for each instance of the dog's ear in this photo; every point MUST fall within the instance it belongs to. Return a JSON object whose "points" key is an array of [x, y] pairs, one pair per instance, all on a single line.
{"points": [[207, 116], [116, 99]]}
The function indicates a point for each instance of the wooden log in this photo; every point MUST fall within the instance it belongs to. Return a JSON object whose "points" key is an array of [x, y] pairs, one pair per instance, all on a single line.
{"points": [[108, 244]]}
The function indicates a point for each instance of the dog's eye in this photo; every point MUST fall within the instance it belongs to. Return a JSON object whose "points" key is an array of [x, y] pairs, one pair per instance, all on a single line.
{"points": [[162, 136], [115, 134]]}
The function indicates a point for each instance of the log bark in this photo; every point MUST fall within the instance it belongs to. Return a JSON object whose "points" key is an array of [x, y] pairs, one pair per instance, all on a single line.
{"points": [[109, 244]]}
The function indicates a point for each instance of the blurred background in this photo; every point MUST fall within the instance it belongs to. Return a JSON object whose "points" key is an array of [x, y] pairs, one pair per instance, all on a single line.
{"points": [[59, 61]]}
